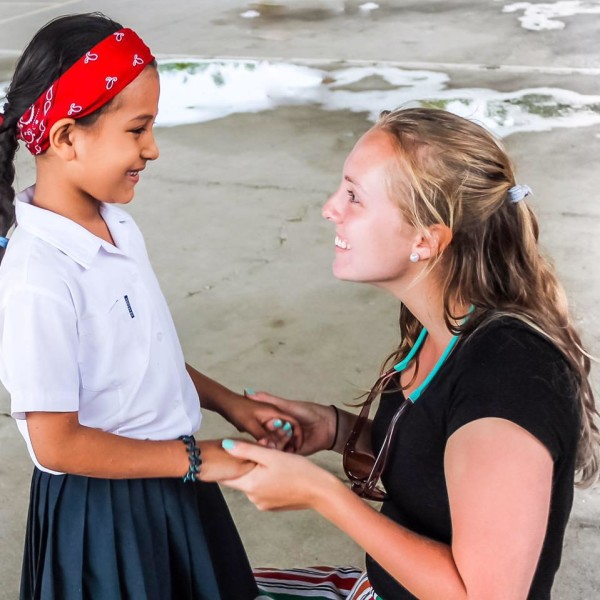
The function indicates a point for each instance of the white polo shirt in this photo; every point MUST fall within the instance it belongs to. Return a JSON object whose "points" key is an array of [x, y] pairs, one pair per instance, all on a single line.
{"points": [[85, 327]]}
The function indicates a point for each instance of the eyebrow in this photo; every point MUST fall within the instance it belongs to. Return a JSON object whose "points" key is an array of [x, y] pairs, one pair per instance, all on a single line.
{"points": [[142, 118], [350, 180]]}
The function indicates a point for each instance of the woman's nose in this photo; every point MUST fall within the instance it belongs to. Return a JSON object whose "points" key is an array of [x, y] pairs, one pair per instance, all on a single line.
{"points": [[330, 210]]}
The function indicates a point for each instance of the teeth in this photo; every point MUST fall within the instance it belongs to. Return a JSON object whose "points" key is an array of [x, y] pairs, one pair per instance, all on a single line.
{"points": [[340, 243]]}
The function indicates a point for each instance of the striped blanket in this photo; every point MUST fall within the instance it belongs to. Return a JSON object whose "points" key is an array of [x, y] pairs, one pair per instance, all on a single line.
{"points": [[317, 583]]}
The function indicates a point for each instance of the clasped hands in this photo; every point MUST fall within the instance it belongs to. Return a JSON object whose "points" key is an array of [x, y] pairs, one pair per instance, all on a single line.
{"points": [[274, 472]]}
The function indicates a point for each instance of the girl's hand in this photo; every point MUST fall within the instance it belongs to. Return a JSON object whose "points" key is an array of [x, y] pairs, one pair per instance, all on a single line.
{"points": [[280, 480], [218, 464], [267, 423], [318, 422]]}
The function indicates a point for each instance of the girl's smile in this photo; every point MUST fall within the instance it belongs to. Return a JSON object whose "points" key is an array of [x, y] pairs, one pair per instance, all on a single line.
{"points": [[113, 152], [135, 175]]}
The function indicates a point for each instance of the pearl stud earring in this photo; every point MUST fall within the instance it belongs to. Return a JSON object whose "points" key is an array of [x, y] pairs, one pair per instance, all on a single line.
{"points": [[414, 257]]}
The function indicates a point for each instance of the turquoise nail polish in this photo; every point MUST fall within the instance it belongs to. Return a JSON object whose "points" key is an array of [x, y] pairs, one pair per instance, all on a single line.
{"points": [[249, 391], [287, 426], [277, 423], [228, 444]]}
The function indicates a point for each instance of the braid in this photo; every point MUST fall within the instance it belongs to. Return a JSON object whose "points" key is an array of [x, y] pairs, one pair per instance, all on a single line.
{"points": [[8, 149]]}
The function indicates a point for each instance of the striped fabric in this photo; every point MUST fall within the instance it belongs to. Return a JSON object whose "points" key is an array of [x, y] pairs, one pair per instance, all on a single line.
{"points": [[318, 583]]}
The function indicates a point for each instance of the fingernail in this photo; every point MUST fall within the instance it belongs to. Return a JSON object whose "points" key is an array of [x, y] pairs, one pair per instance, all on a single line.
{"points": [[287, 426], [228, 444], [249, 391], [277, 423]]}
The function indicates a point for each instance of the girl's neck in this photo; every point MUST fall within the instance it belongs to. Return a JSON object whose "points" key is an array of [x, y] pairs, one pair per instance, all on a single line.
{"points": [[53, 195]]}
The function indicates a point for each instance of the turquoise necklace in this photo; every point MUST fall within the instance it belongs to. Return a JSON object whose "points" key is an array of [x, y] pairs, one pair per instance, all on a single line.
{"points": [[416, 393]]}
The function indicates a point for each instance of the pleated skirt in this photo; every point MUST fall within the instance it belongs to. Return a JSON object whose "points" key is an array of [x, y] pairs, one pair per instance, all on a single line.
{"points": [[316, 583], [142, 539]]}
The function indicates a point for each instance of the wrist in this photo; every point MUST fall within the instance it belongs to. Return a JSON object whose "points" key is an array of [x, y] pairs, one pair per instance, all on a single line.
{"points": [[224, 403], [334, 427], [232, 409], [194, 458], [322, 498], [345, 421]]}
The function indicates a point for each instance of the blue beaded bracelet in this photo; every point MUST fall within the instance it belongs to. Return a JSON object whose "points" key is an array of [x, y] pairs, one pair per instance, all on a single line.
{"points": [[194, 457]]}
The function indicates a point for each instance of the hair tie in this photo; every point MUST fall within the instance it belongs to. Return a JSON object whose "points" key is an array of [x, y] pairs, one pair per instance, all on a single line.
{"points": [[517, 192], [3, 242]]}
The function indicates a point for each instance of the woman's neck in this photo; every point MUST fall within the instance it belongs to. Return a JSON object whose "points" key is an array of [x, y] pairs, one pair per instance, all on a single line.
{"points": [[425, 301]]}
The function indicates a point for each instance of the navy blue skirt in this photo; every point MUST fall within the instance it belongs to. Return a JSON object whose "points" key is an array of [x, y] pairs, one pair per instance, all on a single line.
{"points": [[142, 539]]}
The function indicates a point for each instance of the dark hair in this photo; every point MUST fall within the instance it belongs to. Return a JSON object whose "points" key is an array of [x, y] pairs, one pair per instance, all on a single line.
{"points": [[51, 52]]}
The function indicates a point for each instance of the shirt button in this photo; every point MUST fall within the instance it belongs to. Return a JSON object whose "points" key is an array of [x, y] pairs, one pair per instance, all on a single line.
{"points": [[159, 336]]}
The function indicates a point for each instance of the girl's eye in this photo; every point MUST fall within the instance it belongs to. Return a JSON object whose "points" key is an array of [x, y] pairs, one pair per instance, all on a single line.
{"points": [[352, 197], [138, 131]]}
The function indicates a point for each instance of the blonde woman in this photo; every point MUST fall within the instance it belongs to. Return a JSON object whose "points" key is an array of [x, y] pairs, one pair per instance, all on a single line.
{"points": [[486, 417]]}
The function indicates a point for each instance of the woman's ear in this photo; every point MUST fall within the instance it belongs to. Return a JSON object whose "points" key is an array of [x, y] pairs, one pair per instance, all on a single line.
{"points": [[61, 138], [433, 241]]}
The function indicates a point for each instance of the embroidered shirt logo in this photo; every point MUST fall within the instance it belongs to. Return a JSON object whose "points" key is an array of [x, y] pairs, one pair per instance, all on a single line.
{"points": [[129, 307]]}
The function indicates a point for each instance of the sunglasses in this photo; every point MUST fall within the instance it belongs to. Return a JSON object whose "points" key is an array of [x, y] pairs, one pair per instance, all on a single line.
{"points": [[362, 468]]}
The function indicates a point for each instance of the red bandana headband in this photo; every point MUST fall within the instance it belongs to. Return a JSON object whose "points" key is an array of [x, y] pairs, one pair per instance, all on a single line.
{"points": [[90, 83]]}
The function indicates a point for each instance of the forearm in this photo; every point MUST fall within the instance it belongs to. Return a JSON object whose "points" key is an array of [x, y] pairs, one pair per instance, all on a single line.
{"points": [[425, 567], [213, 395], [62, 444]]}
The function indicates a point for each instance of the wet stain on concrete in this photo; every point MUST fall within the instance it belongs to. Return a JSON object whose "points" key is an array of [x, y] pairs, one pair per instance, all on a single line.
{"points": [[312, 11], [274, 11]]}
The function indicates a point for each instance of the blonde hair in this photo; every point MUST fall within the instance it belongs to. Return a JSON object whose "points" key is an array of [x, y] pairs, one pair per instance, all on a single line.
{"points": [[457, 174]]}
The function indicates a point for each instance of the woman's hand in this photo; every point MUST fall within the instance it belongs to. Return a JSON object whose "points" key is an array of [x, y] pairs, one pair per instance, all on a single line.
{"points": [[280, 480], [318, 422]]}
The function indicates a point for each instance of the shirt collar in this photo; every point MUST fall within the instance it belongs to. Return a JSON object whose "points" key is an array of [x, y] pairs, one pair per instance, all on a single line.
{"points": [[69, 237]]}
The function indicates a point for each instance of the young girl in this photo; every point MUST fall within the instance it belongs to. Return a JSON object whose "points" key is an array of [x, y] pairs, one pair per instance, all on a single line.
{"points": [[89, 352], [487, 410]]}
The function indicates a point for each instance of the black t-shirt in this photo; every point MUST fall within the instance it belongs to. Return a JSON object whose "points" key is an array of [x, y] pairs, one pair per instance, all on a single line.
{"points": [[506, 370]]}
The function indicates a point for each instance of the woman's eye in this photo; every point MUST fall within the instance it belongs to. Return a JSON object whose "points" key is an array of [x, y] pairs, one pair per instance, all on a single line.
{"points": [[138, 131]]}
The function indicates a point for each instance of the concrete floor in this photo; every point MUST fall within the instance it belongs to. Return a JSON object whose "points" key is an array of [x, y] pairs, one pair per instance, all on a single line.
{"points": [[231, 215]]}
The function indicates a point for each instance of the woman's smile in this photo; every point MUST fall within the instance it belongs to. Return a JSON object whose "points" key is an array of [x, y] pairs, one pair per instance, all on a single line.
{"points": [[342, 244]]}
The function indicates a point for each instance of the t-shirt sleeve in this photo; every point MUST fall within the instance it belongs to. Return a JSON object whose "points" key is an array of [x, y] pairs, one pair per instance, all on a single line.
{"points": [[39, 351], [513, 373]]}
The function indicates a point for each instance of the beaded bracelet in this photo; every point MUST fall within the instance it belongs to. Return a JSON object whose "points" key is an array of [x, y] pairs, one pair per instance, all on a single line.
{"points": [[194, 456]]}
